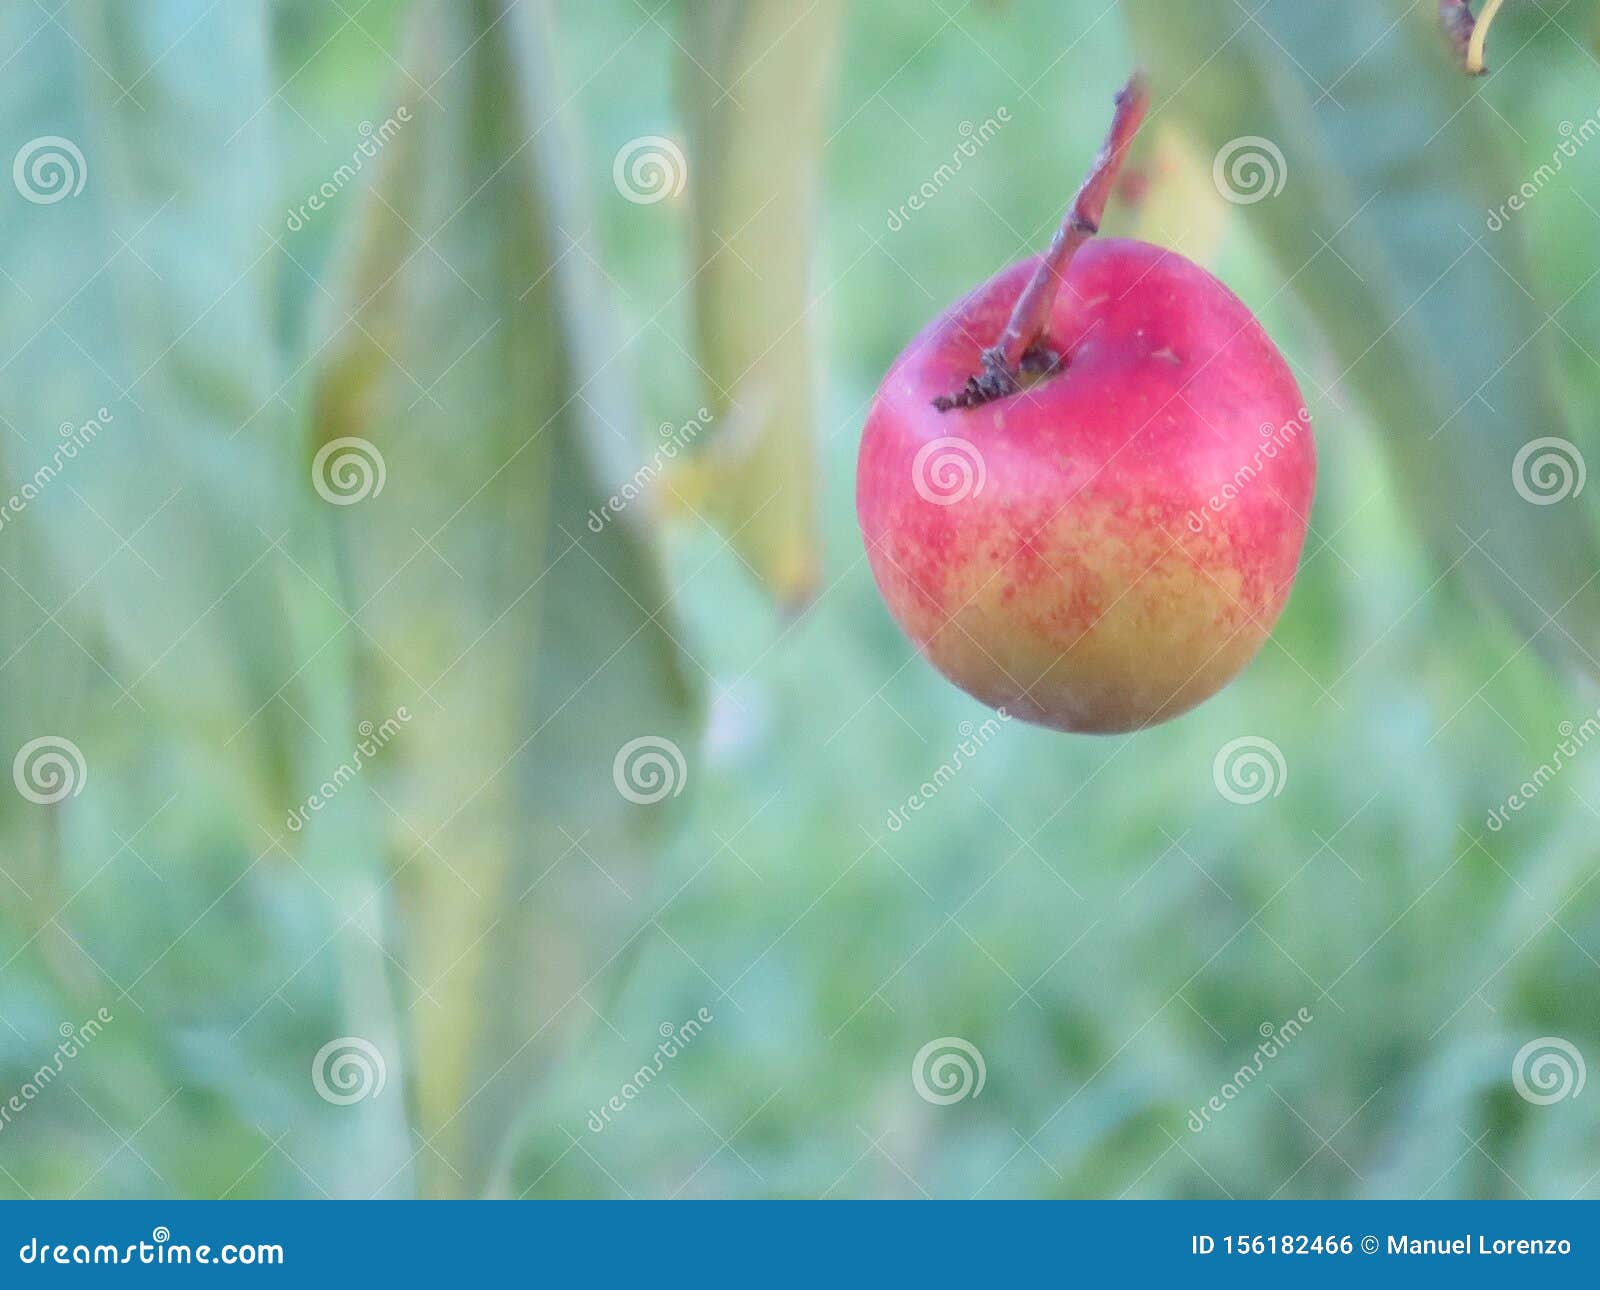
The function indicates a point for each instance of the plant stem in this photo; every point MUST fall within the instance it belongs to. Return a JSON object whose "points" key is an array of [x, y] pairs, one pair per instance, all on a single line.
{"points": [[1014, 352], [1467, 34], [1031, 315], [1480, 33]]}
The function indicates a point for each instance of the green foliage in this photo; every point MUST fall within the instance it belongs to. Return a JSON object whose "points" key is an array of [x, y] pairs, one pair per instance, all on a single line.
{"points": [[1392, 166], [754, 82], [481, 305], [471, 348], [166, 607]]}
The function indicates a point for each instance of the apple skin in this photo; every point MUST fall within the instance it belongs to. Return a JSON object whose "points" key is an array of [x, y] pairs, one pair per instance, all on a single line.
{"points": [[1110, 545]]}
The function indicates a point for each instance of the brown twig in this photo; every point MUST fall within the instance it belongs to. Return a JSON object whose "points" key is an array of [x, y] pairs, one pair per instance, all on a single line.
{"points": [[1017, 352]]}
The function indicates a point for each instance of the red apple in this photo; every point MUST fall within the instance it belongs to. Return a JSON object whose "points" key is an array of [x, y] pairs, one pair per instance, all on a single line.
{"points": [[1086, 506]]}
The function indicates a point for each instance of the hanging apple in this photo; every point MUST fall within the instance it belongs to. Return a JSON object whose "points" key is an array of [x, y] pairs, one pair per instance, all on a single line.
{"points": [[1084, 487]]}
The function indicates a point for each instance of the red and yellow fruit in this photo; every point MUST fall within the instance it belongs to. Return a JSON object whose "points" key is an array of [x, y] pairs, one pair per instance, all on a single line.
{"points": [[1084, 488]]}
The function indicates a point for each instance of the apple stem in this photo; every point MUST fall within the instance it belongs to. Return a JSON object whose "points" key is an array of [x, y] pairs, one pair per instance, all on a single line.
{"points": [[1014, 353], [1031, 315]]}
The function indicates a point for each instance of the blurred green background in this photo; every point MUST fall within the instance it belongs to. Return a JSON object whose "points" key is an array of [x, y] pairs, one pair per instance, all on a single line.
{"points": [[505, 932]]}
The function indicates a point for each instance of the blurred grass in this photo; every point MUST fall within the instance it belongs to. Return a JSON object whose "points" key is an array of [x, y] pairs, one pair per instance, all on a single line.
{"points": [[1091, 914]]}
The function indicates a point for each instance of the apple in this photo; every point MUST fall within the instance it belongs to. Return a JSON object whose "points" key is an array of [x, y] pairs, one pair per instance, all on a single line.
{"points": [[1083, 489]]}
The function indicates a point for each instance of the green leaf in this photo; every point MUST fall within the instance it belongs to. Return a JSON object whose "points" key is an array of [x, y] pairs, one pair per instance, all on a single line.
{"points": [[471, 354], [753, 83], [155, 612], [1389, 172]]}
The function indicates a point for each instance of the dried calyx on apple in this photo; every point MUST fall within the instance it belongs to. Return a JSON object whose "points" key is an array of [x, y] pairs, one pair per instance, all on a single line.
{"points": [[1084, 487]]}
